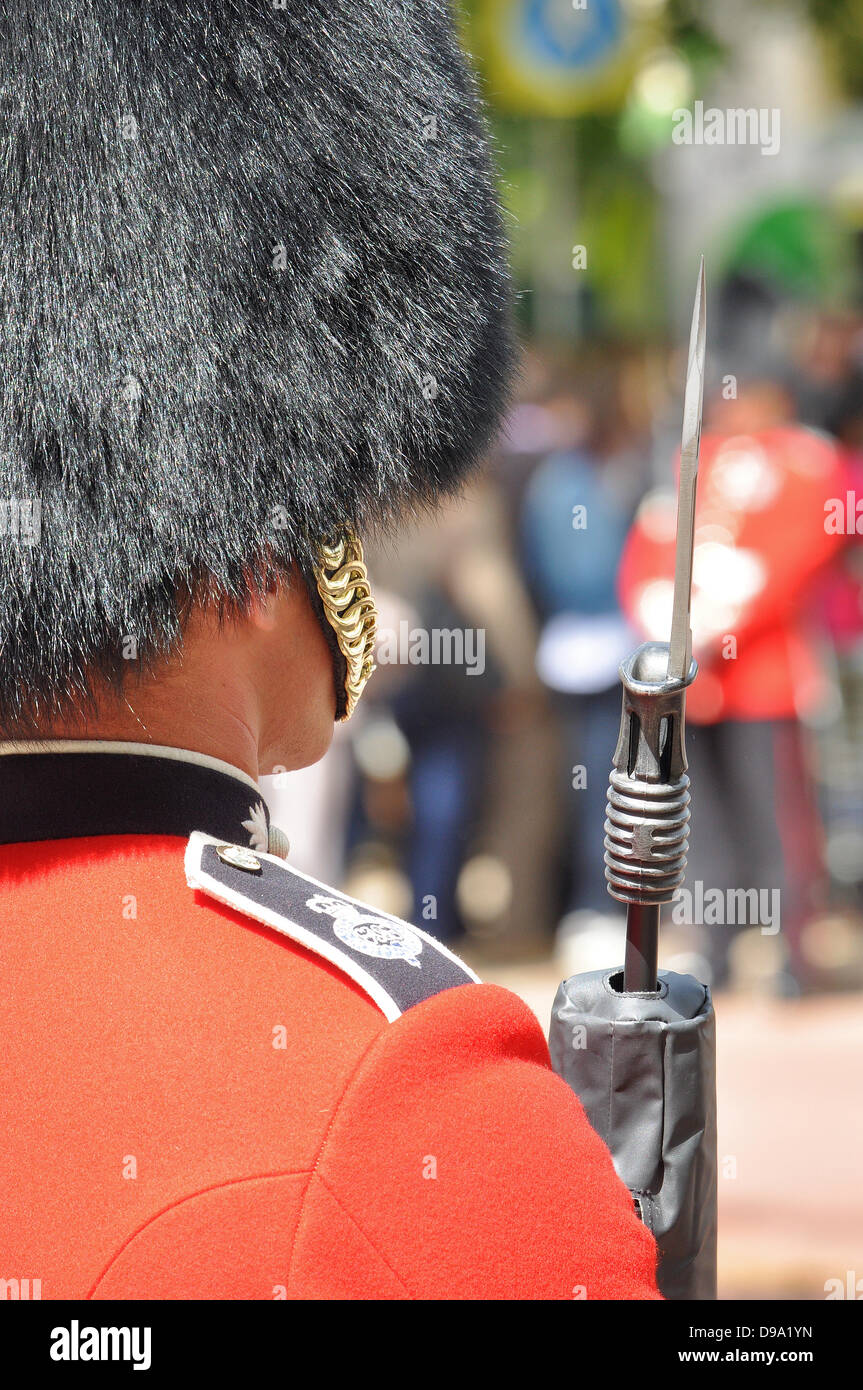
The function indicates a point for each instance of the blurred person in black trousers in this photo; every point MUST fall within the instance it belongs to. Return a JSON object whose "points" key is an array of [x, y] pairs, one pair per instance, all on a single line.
{"points": [[574, 516], [470, 722]]}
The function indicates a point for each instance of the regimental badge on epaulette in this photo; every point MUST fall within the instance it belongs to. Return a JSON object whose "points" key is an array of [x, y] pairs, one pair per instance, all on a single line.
{"points": [[365, 931], [395, 963]]}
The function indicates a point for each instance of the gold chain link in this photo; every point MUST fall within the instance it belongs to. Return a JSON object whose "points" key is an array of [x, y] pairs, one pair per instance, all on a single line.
{"points": [[343, 584]]}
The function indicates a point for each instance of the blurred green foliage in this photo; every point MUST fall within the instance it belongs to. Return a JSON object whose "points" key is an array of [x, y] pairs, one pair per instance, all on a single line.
{"points": [[588, 179], [840, 26]]}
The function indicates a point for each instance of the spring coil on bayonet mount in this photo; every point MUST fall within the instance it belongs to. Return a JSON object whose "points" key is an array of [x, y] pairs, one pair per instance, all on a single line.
{"points": [[645, 838], [648, 794]]}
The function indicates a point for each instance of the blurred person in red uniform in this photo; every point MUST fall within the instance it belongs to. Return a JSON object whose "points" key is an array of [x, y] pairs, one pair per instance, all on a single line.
{"points": [[761, 538], [221, 1078], [829, 370]]}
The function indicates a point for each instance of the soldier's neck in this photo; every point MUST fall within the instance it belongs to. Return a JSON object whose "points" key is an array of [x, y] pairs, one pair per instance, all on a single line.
{"points": [[216, 721], [256, 691]]}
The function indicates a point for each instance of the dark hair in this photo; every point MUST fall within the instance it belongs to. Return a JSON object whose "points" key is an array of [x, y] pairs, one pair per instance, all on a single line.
{"points": [[252, 287]]}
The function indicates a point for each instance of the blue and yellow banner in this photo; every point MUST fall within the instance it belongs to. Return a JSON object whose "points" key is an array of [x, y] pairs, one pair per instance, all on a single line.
{"points": [[559, 57]]}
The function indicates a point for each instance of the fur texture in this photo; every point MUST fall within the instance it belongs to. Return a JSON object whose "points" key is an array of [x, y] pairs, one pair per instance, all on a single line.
{"points": [[252, 287]]}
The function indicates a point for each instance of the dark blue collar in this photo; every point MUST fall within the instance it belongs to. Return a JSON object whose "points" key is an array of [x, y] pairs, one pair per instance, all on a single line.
{"points": [[68, 790]]}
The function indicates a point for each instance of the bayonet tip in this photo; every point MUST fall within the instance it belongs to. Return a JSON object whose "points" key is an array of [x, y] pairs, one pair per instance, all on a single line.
{"points": [[680, 648]]}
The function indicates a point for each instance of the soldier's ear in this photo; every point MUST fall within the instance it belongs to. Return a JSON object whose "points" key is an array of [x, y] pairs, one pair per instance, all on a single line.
{"points": [[264, 610], [265, 605]]}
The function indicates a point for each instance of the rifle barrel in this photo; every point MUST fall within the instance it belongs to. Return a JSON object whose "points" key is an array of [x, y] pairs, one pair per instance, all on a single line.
{"points": [[642, 948]]}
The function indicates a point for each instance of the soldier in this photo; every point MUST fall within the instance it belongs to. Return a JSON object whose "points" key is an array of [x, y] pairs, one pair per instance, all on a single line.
{"points": [[254, 302]]}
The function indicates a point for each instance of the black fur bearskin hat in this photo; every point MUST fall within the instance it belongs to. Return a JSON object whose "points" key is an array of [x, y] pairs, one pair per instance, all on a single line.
{"points": [[252, 289]]}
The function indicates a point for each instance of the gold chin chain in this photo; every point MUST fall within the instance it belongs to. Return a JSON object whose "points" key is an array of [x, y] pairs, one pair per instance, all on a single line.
{"points": [[343, 584]]}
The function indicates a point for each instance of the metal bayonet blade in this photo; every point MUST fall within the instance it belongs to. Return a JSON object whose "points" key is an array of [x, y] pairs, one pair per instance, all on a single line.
{"points": [[680, 650]]}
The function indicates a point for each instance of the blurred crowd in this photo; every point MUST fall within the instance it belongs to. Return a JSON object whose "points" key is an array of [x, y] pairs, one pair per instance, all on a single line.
{"points": [[468, 793]]}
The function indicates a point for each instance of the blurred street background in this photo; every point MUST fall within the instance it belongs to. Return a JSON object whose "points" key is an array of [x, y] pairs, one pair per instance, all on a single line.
{"points": [[468, 792]]}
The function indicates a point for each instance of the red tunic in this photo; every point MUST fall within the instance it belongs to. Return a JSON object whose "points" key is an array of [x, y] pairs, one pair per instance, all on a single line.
{"points": [[762, 533], [197, 1106]]}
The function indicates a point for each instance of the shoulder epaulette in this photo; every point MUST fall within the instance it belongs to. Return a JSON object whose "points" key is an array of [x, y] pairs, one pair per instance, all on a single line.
{"points": [[395, 963]]}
